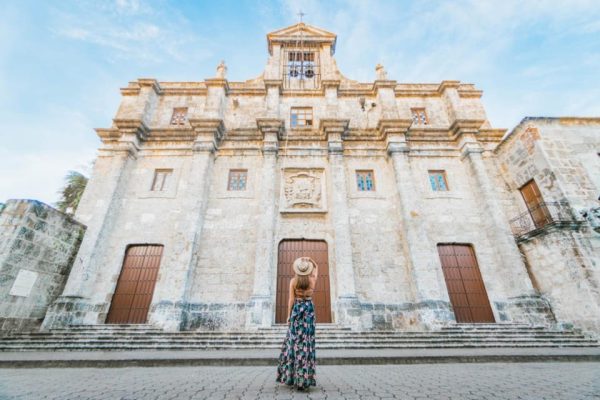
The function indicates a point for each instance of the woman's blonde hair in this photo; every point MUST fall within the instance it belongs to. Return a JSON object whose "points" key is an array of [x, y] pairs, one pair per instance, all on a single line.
{"points": [[302, 281]]}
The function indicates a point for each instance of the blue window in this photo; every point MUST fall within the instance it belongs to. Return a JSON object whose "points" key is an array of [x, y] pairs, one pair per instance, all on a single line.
{"points": [[365, 181], [438, 182]]}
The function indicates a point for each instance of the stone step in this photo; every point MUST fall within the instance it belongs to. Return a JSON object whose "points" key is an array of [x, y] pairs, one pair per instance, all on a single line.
{"points": [[51, 335], [113, 347], [280, 339]]}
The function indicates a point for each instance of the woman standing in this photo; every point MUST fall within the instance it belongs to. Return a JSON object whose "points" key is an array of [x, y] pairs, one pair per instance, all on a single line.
{"points": [[297, 360]]}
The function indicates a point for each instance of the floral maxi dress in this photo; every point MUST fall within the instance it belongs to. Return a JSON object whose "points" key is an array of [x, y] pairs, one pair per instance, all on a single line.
{"points": [[297, 361]]}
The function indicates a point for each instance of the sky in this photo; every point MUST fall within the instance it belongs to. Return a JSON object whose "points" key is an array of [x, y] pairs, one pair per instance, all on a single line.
{"points": [[62, 62]]}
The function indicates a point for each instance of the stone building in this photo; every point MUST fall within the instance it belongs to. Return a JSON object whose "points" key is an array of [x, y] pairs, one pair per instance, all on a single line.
{"points": [[203, 193]]}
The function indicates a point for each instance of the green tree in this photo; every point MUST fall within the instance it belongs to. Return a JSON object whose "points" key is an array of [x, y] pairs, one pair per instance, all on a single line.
{"points": [[70, 194]]}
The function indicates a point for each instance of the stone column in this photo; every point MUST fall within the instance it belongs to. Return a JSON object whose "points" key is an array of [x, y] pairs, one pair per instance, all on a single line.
{"points": [[98, 209], [347, 305], [261, 304], [172, 311], [508, 255], [430, 294]]}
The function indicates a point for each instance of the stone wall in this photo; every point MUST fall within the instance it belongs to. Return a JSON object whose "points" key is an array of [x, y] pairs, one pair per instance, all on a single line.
{"points": [[37, 247]]}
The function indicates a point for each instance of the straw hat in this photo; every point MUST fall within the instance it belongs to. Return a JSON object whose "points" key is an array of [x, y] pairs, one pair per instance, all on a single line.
{"points": [[303, 265]]}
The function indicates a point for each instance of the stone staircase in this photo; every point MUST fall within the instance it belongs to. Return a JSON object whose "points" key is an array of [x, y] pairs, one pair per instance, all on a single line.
{"points": [[146, 337]]}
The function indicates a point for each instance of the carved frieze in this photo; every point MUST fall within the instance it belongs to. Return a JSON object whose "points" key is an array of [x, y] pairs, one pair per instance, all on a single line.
{"points": [[303, 190]]}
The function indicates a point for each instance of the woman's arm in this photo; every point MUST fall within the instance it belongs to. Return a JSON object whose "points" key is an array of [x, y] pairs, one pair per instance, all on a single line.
{"points": [[291, 298]]}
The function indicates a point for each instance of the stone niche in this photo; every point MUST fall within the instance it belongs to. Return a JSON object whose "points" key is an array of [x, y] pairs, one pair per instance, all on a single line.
{"points": [[303, 190]]}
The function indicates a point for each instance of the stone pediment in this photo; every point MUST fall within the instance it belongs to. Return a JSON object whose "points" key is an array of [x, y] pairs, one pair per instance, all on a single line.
{"points": [[301, 31]]}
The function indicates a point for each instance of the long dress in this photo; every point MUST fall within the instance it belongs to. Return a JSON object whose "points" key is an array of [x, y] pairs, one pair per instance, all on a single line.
{"points": [[297, 360]]}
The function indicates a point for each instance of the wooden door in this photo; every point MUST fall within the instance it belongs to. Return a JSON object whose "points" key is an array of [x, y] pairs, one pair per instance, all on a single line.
{"points": [[535, 204], [135, 286], [465, 286], [289, 250]]}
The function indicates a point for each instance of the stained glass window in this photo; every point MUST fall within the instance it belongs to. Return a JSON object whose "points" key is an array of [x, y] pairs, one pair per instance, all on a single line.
{"points": [[237, 179], [179, 116], [419, 116], [365, 181], [437, 179], [161, 180]]}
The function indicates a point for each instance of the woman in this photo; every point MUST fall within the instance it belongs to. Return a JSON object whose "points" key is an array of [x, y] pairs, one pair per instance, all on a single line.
{"points": [[298, 357]]}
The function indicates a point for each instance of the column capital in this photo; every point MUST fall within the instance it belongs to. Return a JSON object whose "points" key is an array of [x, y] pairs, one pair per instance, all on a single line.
{"points": [[334, 130], [209, 133], [272, 130], [393, 132], [135, 127]]}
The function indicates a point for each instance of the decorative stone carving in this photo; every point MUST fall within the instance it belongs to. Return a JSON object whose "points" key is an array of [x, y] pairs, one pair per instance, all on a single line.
{"points": [[380, 73], [222, 70], [303, 190]]}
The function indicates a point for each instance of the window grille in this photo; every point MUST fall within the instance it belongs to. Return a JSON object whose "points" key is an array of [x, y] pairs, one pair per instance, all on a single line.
{"points": [[365, 181], [179, 116], [419, 116], [438, 182], [237, 179]]}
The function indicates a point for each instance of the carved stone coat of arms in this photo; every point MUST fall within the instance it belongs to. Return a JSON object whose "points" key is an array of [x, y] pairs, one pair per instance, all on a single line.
{"points": [[303, 190]]}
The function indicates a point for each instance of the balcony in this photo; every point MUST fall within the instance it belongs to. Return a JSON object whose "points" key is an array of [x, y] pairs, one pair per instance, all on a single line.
{"points": [[541, 218]]}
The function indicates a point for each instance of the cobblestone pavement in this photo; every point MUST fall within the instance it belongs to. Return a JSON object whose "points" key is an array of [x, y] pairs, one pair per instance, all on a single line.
{"points": [[425, 381]]}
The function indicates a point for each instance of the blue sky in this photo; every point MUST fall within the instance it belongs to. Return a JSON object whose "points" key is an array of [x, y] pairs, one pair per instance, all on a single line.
{"points": [[62, 62]]}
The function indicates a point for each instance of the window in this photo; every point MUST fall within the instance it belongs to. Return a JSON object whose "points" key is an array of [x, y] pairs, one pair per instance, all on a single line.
{"points": [[419, 116], [301, 117], [301, 64], [237, 179], [179, 116], [162, 177], [438, 181], [365, 181]]}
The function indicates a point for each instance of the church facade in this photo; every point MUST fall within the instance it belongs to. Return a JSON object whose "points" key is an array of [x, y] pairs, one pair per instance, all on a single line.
{"points": [[203, 194]]}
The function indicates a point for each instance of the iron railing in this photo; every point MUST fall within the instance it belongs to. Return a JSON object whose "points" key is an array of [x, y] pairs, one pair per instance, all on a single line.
{"points": [[542, 215]]}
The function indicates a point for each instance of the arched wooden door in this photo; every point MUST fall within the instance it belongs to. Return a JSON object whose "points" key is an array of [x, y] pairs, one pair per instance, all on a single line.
{"points": [[465, 286], [289, 250], [135, 287]]}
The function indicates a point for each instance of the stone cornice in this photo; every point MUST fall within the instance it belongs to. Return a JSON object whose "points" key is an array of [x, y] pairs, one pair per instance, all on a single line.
{"points": [[134, 88], [384, 84], [462, 126], [217, 82], [278, 83], [330, 125], [389, 126], [132, 126], [327, 83], [448, 85], [271, 129], [209, 133]]}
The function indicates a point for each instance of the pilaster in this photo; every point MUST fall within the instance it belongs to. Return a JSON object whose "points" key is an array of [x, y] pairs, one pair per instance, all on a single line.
{"points": [[171, 313], [98, 209], [347, 304], [430, 296], [508, 256], [260, 311]]}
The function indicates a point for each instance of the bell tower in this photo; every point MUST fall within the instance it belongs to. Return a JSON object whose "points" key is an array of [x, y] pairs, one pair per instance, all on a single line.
{"points": [[301, 56]]}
